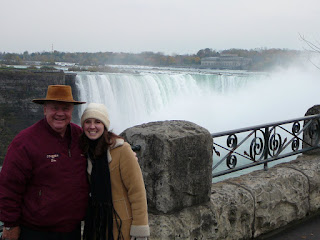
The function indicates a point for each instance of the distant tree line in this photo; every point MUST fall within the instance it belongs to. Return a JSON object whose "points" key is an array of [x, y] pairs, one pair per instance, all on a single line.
{"points": [[262, 59]]}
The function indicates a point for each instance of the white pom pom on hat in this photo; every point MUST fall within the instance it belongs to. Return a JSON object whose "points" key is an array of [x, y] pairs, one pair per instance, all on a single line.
{"points": [[97, 111]]}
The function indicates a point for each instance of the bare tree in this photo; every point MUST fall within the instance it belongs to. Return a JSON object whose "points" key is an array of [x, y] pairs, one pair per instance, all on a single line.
{"points": [[314, 46]]}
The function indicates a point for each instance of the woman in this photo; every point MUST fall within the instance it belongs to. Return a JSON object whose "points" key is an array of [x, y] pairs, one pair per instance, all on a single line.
{"points": [[118, 205]]}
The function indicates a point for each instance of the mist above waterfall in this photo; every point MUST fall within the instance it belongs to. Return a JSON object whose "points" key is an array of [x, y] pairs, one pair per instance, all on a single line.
{"points": [[217, 101]]}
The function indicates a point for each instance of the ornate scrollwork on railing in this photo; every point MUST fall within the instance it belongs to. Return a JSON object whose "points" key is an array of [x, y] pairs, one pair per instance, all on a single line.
{"points": [[256, 148], [231, 161], [295, 144], [232, 141], [265, 143], [296, 141], [295, 127], [275, 142]]}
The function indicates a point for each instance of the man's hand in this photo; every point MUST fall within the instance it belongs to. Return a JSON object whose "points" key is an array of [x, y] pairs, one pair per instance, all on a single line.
{"points": [[12, 234]]}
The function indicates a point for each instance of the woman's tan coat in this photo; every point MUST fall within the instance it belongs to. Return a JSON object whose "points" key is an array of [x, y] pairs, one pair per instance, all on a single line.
{"points": [[128, 191]]}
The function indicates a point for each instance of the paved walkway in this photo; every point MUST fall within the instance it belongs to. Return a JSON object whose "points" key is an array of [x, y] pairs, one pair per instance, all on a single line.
{"points": [[308, 230]]}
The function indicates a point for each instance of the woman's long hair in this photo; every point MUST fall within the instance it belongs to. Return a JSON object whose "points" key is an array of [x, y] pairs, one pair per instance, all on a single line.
{"points": [[107, 140], [99, 219]]}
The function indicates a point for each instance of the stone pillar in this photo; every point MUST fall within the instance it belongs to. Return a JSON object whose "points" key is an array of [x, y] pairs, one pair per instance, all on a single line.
{"points": [[176, 161], [311, 137]]}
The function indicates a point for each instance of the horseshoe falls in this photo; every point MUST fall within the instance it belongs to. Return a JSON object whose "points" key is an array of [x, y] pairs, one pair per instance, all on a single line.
{"points": [[217, 101]]}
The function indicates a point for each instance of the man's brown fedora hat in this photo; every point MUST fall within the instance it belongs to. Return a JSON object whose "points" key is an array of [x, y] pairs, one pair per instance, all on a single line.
{"points": [[58, 93]]}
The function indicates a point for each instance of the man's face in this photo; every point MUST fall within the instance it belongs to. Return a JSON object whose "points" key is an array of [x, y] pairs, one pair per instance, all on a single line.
{"points": [[58, 115]]}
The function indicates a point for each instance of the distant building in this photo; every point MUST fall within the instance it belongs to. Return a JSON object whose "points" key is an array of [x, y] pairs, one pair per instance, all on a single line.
{"points": [[226, 61], [65, 64], [35, 63]]}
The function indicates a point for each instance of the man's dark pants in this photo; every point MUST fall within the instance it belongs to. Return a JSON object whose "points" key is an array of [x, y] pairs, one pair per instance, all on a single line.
{"points": [[29, 234]]}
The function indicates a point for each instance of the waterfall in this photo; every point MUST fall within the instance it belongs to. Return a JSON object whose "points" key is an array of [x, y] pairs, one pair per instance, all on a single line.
{"points": [[216, 101]]}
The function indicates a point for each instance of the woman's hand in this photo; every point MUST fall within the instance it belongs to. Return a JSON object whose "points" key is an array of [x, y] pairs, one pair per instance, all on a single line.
{"points": [[135, 154]]}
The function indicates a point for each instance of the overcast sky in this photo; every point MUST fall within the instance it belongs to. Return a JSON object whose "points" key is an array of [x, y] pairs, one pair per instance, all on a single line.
{"points": [[168, 26]]}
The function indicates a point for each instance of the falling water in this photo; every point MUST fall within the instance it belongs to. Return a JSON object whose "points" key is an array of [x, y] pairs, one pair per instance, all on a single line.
{"points": [[217, 101], [138, 98]]}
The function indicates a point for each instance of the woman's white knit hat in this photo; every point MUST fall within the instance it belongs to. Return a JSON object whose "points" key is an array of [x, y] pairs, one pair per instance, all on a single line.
{"points": [[97, 111]]}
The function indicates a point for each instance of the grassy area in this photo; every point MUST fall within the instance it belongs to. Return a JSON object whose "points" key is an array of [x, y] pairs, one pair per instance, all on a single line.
{"points": [[27, 69], [105, 69]]}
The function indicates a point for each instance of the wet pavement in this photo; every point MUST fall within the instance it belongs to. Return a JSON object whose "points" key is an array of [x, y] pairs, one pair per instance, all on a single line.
{"points": [[307, 230]]}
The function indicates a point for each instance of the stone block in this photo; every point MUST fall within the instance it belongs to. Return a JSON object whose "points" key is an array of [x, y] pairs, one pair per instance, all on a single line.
{"points": [[311, 136], [176, 161], [198, 222], [233, 206], [281, 197], [310, 167]]}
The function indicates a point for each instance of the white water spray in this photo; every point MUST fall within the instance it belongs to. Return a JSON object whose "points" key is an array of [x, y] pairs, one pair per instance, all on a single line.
{"points": [[217, 102]]}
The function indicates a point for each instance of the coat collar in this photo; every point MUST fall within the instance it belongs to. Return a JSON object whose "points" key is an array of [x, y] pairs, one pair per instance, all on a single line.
{"points": [[119, 142]]}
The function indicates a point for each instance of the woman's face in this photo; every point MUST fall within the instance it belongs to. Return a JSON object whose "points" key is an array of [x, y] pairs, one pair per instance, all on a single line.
{"points": [[93, 128]]}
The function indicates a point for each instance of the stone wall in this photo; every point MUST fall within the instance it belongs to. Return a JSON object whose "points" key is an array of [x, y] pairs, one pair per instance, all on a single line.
{"points": [[249, 206], [176, 160], [17, 89]]}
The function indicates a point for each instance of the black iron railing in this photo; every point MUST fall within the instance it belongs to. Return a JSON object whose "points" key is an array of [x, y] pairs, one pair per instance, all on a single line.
{"points": [[249, 147]]}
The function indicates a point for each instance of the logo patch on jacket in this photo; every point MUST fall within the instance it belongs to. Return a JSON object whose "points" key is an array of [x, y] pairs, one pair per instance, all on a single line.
{"points": [[53, 157]]}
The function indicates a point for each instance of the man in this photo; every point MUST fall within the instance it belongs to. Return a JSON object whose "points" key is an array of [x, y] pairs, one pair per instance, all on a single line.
{"points": [[43, 183]]}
